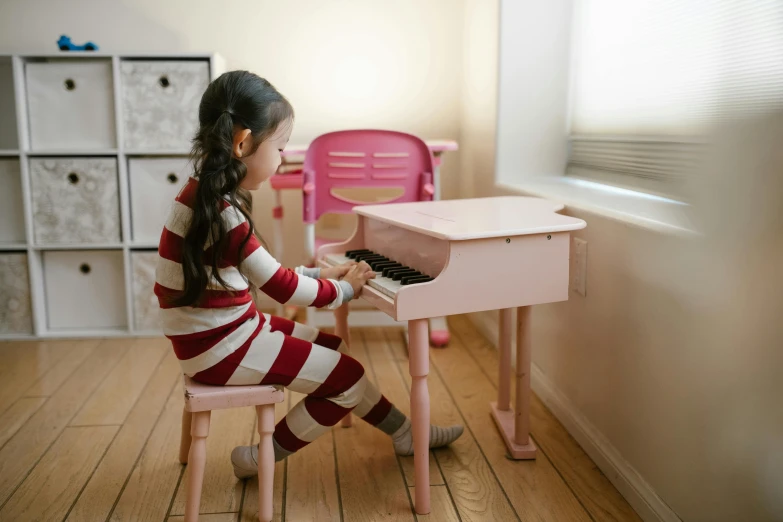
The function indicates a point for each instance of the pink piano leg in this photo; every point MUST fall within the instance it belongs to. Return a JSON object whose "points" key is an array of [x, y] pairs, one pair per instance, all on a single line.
{"points": [[439, 328], [341, 331], [419, 364], [515, 425]]}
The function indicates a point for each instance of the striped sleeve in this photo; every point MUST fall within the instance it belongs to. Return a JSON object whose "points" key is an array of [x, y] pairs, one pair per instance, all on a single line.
{"points": [[284, 285]]}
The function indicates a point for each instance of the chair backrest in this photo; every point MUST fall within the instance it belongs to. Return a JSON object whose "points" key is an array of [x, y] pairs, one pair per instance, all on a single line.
{"points": [[363, 159]]}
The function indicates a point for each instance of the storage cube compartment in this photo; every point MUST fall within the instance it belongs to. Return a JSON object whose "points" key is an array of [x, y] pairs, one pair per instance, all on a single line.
{"points": [[84, 289], [75, 200], [160, 102], [146, 312], [71, 104], [154, 183], [9, 139], [15, 310], [11, 202]]}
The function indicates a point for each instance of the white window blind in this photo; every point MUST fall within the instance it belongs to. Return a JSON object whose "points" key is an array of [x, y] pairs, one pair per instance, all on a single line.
{"points": [[649, 78]]}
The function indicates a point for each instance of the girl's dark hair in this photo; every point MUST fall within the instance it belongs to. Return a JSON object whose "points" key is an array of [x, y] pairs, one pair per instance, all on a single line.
{"points": [[236, 100]]}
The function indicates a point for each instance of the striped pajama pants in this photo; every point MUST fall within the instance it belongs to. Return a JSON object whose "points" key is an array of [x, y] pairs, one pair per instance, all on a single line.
{"points": [[308, 361]]}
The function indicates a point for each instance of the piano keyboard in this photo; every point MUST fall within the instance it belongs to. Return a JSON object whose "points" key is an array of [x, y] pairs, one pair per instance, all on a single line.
{"points": [[390, 275]]}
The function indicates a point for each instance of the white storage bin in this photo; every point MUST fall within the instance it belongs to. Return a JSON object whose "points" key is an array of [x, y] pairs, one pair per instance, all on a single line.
{"points": [[84, 289], [160, 102], [154, 183], [8, 133], [75, 200], [71, 105], [11, 202], [15, 311], [146, 311]]}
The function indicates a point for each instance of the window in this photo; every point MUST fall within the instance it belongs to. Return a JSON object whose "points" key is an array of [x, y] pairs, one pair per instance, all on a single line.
{"points": [[649, 78]]}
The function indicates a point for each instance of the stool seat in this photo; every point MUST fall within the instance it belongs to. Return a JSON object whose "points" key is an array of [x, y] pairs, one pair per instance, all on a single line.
{"points": [[200, 400], [206, 397]]}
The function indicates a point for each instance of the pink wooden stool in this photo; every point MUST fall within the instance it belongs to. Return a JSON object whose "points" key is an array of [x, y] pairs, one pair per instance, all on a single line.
{"points": [[200, 400]]}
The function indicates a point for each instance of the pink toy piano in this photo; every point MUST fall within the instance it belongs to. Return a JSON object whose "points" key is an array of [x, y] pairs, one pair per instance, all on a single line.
{"points": [[439, 258]]}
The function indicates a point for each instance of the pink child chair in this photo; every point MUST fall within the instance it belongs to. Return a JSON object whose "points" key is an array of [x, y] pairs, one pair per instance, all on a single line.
{"points": [[360, 159], [200, 400]]}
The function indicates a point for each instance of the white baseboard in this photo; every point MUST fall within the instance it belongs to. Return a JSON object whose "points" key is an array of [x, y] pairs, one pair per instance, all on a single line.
{"points": [[631, 485]]}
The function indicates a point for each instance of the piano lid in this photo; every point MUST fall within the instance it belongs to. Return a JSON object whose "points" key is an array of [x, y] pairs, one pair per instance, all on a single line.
{"points": [[463, 219]]}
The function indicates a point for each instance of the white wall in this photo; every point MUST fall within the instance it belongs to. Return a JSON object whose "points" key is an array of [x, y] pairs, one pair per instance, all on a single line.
{"points": [[675, 354], [479, 96], [342, 63], [533, 88]]}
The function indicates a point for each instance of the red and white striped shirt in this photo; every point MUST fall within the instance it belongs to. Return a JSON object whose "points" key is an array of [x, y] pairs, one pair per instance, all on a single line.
{"points": [[223, 322]]}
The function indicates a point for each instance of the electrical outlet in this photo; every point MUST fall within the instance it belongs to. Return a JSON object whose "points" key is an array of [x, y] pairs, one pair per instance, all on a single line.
{"points": [[579, 268]]}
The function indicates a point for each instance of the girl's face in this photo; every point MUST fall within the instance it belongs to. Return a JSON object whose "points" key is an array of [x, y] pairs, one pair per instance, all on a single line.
{"points": [[263, 163]]}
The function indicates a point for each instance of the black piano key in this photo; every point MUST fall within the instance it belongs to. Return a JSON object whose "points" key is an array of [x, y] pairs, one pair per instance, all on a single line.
{"points": [[388, 269], [367, 258], [393, 271], [378, 265], [415, 280], [381, 265], [353, 253], [399, 275], [412, 276]]}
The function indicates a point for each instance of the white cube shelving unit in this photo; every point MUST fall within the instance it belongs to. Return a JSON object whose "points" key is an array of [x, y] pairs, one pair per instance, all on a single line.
{"points": [[93, 149]]}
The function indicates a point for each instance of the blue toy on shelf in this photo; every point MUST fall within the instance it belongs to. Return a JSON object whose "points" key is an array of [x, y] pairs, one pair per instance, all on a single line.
{"points": [[65, 44]]}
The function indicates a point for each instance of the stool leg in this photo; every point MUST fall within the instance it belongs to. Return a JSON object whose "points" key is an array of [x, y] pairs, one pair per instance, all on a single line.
{"points": [[341, 331], [184, 442], [197, 459], [266, 461]]}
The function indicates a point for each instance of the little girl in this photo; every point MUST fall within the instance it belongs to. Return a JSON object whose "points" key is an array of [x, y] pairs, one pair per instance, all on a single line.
{"points": [[209, 257]]}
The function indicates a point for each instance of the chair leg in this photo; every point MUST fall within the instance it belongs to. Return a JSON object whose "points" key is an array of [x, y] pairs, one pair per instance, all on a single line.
{"points": [[341, 330], [197, 459], [266, 461], [184, 442]]}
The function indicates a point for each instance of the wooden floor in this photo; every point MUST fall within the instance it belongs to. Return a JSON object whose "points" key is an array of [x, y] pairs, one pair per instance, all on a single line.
{"points": [[89, 431]]}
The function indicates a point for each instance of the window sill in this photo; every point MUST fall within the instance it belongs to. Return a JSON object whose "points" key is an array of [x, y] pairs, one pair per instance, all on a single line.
{"points": [[635, 208]]}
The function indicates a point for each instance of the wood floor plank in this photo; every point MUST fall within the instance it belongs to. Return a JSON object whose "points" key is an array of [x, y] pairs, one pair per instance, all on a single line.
{"points": [[153, 482], [473, 486], [15, 416], [50, 382], [311, 488], [23, 363], [590, 485], [49, 491], [250, 500], [371, 484], [535, 488], [215, 517], [112, 401], [221, 491], [106, 483], [441, 504], [27, 446], [392, 385]]}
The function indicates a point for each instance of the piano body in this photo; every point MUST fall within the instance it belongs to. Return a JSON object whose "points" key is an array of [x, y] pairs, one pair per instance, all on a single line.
{"points": [[439, 258]]}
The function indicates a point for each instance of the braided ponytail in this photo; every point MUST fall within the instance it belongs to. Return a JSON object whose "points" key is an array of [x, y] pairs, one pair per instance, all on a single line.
{"points": [[235, 100]]}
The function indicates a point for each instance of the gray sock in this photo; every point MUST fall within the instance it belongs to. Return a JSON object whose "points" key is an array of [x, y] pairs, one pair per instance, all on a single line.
{"points": [[439, 436], [394, 419]]}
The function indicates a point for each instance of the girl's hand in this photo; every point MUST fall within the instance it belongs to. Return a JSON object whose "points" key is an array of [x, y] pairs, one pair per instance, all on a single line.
{"points": [[358, 275], [337, 272]]}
